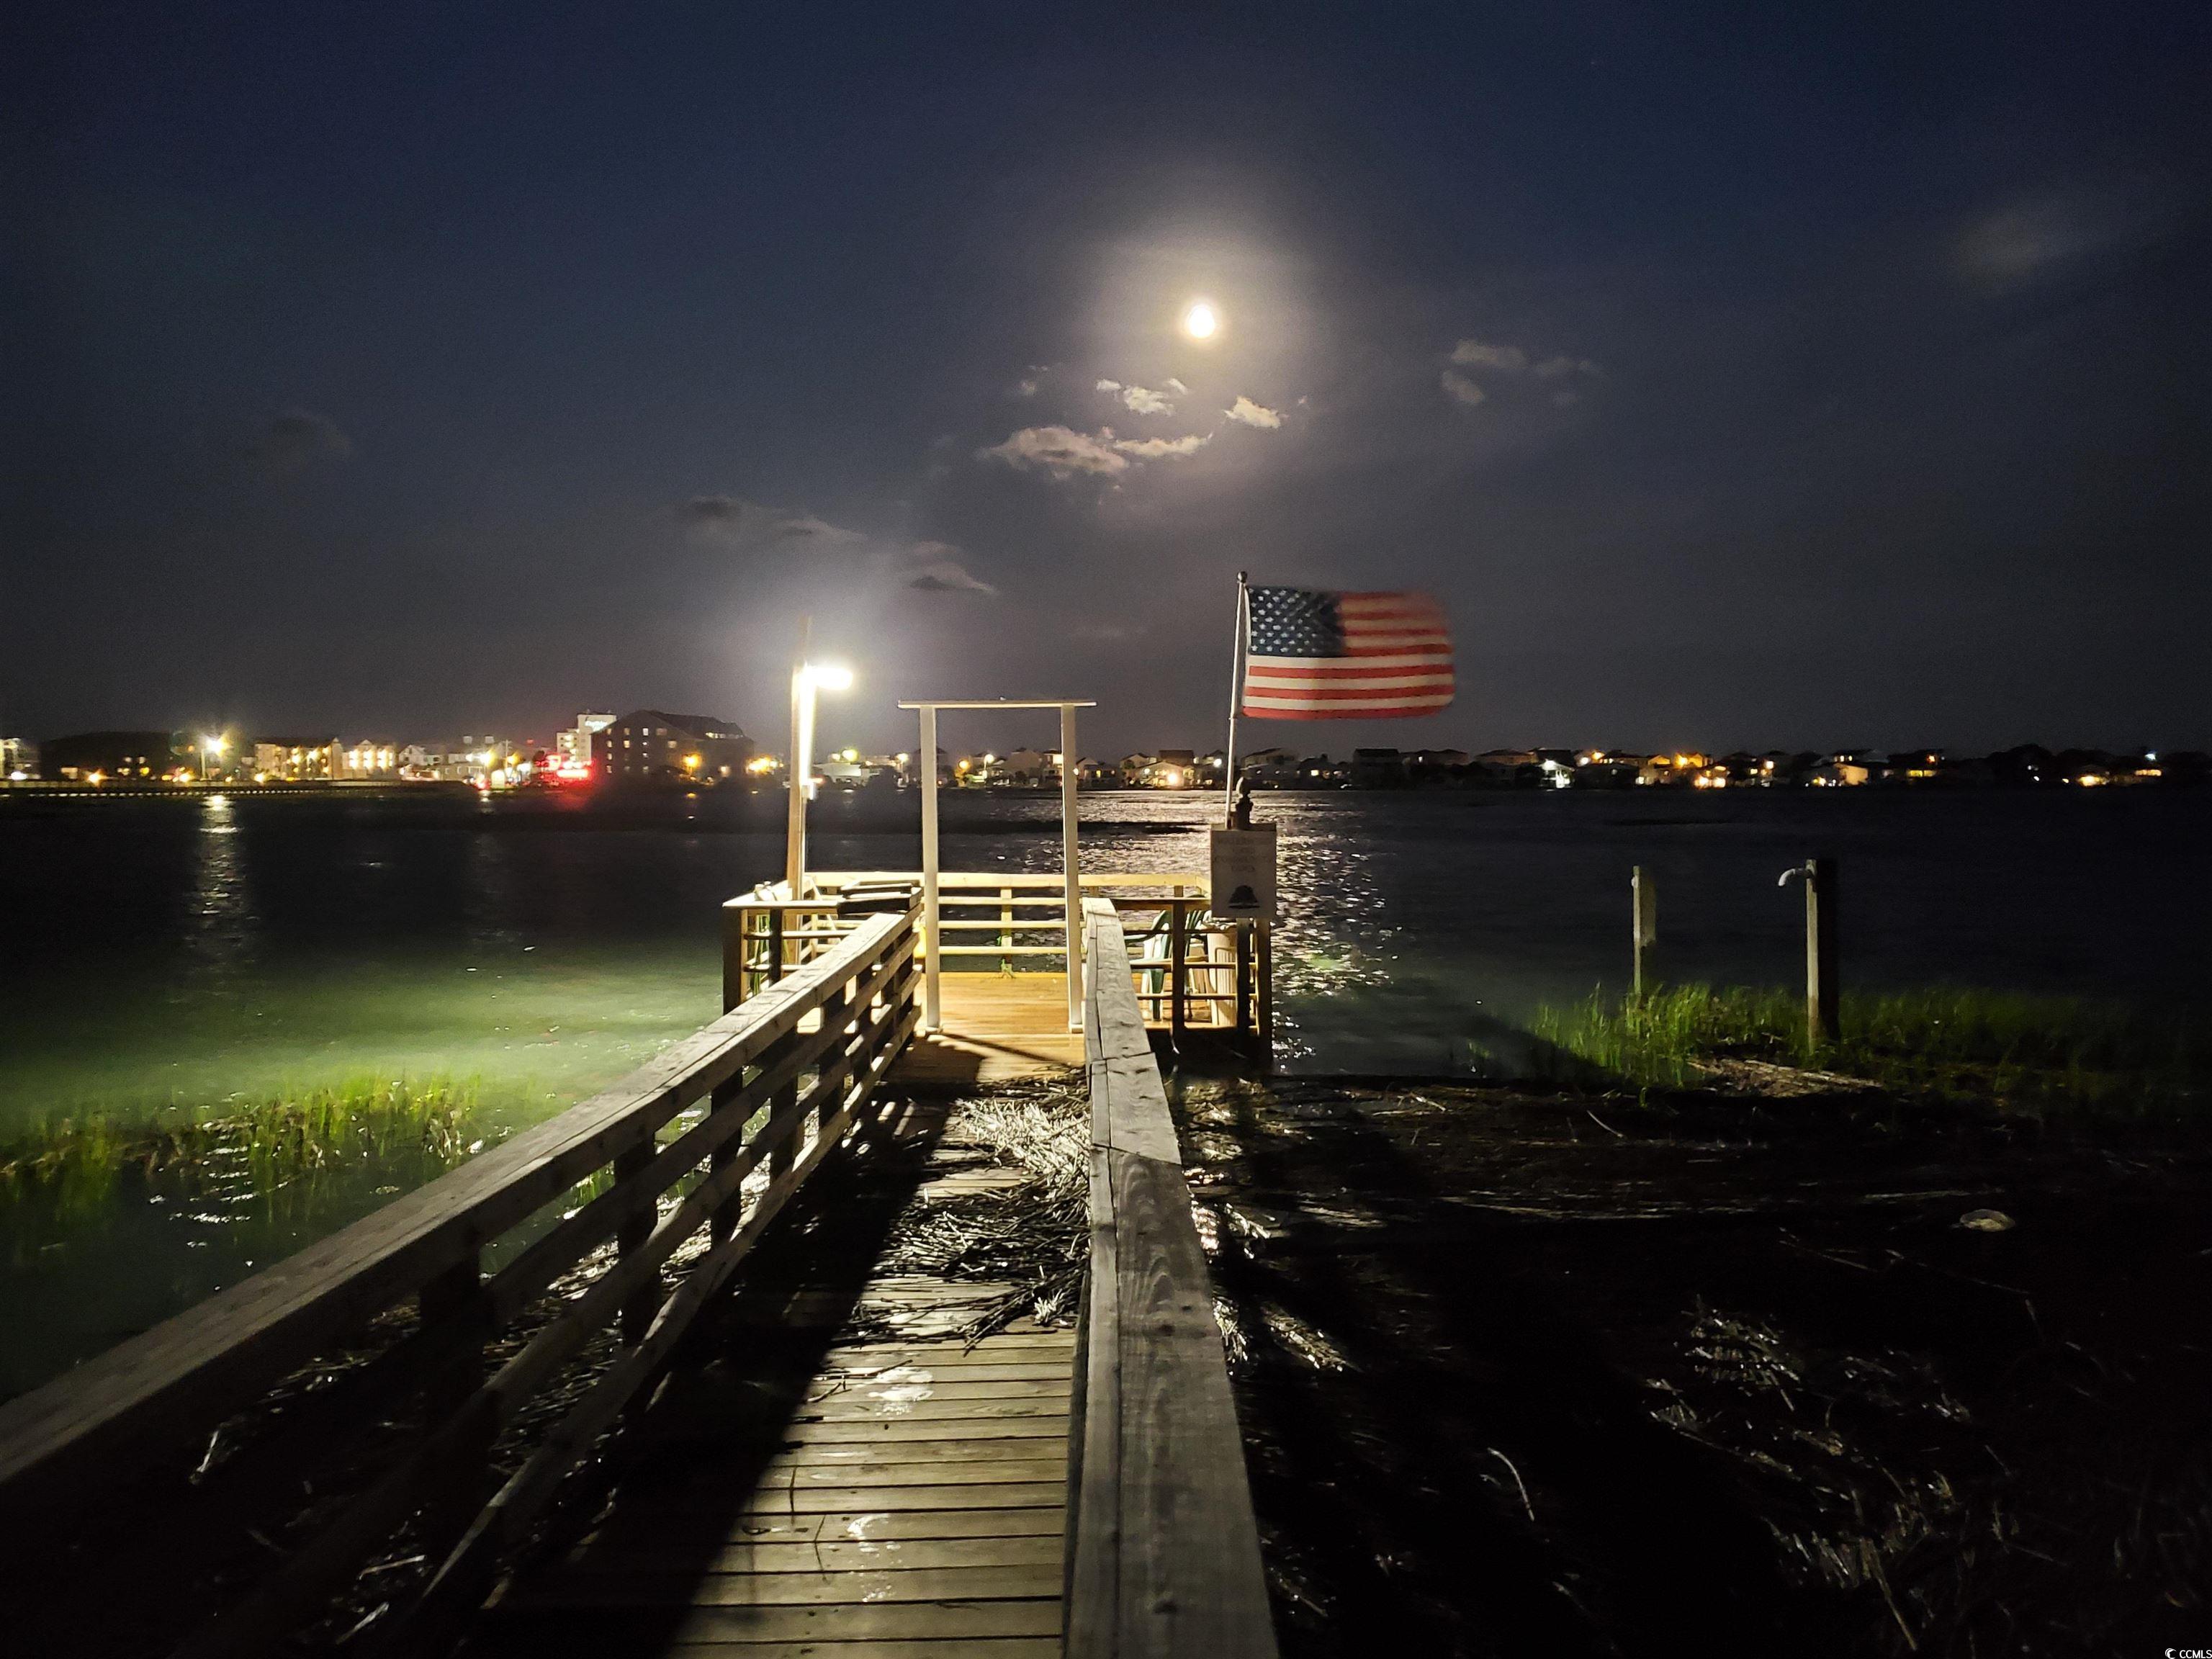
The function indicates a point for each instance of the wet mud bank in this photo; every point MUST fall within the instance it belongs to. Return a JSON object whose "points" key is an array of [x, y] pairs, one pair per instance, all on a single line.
{"points": [[1525, 1373]]}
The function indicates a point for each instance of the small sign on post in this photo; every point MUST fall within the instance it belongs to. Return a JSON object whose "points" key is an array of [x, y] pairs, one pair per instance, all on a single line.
{"points": [[1244, 870]]}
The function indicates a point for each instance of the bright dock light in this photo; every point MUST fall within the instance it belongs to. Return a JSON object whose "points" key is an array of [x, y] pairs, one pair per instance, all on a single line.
{"points": [[828, 676], [1201, 321]]}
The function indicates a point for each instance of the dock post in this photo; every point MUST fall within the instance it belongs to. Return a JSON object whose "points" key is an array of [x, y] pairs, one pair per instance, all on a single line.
{"points": [[1263, 993], [1072, 877], [930, 1006], [1644, 926], [1823, 976], [1244, 930], [733, 956], [1178, 966]]}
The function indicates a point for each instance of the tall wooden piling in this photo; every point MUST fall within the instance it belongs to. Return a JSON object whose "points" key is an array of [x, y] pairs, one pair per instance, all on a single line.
{"points": [[1643, 925], [1823, 976]]}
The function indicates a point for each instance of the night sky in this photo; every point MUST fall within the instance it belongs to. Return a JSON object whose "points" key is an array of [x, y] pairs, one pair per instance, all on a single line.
{"points": [[1734, 377]]}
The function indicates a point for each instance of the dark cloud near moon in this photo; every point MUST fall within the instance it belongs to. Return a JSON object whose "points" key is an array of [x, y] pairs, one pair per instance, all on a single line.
{"points": [[297, 438]]}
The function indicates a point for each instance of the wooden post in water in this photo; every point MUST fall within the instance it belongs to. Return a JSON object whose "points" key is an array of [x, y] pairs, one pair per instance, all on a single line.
{"points": [[1643, 927], [931, 1008], [1263, 993], [1178, 965], [1823, 978], [734, 944]]}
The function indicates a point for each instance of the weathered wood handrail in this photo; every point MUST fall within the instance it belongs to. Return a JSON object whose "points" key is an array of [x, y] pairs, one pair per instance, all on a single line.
{"points": [[66, 1448], [1164, 1554]]}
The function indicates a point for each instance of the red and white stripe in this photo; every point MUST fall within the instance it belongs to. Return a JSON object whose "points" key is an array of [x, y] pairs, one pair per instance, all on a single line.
{"points": [[1397, 662]]}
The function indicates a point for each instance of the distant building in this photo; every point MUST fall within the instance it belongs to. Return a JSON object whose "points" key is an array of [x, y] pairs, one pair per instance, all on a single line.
{"points": [[87, 754], [365, 757], [19, 759], [1377, 769], [651, 745], [1606, 768], [292, 760], [1034, 767], [1270, 768], [573, 745], [1170, 769]]}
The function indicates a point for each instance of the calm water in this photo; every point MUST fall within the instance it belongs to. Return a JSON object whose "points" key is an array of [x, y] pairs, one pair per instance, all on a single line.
{"points": [[189, 953]]}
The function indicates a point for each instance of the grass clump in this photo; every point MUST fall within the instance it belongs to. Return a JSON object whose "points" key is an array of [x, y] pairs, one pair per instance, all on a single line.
{"points": [[258, 1147], [1949, 1041]]}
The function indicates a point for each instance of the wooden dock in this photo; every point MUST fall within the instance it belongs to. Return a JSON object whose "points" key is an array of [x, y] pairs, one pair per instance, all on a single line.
{"points": [[906, 1487], [807, 1460], [997, 1028]]}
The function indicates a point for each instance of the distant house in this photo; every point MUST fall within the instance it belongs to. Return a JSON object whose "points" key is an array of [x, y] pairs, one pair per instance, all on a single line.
{"points": [[1377, 769], [108, 754], [1606, 768], [1170, 769], [1270, 768], [1030, 766], [651, 745]]}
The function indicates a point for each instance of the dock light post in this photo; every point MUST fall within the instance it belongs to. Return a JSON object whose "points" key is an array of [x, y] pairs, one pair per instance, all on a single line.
{"points": [[215, 746], [806, 679]]}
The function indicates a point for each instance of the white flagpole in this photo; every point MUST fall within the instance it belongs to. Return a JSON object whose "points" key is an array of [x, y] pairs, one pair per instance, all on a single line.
{"points": [[1236, 694]]}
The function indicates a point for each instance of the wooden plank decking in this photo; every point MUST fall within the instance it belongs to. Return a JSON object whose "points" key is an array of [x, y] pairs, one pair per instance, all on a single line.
{"points": [[998, 1028], [907, 1495]]}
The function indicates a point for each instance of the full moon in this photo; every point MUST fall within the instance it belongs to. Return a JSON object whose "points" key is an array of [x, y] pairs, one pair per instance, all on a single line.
{"points": [[1200, 322]]}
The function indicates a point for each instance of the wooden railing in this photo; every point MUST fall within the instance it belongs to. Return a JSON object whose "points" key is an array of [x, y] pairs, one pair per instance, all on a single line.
{"points": [[1194, 969], [672, 1152], [1213, 974], [1164, 1554]]}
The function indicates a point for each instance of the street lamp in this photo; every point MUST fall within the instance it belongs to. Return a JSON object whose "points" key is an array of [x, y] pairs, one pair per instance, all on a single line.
{"points": [[215, 746], [806, 679]]}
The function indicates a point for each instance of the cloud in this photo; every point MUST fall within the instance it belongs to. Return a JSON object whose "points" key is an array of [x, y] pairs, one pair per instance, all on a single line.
{"points": [[731, 524], [1462, 389], [1252, 414], [1511, 359], [1060, 452], [1026, 386], [1175, 386], [1152, 449], [2041, 234], [297, 438], [1109, 386], [1143, 402], [935, 568], [1508, 360], [739, 526]]}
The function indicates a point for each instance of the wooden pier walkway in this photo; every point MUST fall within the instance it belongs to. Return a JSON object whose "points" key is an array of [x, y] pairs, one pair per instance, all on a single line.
{"points": [[997, 1028], [806, 1459], [904, 1493]]}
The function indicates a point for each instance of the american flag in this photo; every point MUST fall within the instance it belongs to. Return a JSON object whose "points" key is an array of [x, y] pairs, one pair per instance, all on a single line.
{"points": [[1315, 656]]}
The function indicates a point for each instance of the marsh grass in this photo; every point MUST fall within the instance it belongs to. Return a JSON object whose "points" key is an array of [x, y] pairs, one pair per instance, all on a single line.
{"points": [[361, 1126], [1032, 1238], [1951, 1042]]}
